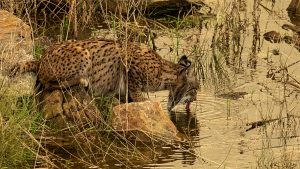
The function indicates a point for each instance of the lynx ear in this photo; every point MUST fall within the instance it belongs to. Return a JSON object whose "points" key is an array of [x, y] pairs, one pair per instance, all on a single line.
{"points": [[183, 61]]}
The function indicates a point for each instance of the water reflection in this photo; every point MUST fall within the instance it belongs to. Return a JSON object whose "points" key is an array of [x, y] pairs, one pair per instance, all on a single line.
{"points": [[136, 155], [186, 123], [183, 152]]}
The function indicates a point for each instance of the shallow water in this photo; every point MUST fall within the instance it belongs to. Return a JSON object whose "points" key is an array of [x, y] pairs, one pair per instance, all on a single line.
{"points": [[216, 127], [215, 138], [204, 124]]}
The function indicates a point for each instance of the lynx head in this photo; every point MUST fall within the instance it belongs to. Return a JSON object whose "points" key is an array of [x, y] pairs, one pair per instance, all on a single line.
{"points": [[185, 89]]}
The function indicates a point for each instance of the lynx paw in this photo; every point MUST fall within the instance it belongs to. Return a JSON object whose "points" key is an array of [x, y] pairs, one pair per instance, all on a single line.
{"points": [[84, 82]]}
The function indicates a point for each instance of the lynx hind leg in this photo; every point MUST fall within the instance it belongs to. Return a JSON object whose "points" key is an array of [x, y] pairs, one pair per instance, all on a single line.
{"points": [[86, 67], [23, 67], [70, 70], [82, 81]]}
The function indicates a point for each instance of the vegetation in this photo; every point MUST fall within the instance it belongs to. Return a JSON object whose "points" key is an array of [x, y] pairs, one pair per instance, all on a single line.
{"points": [[220, 58]]}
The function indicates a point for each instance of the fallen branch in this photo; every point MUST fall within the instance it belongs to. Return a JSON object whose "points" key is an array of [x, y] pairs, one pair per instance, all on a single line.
{"points": [[259, 123], [294, 85], [294, 79], [272, 74], [264, 122], [285, 67]]}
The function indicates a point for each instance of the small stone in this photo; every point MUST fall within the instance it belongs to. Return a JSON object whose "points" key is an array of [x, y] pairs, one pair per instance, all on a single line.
{"points": [[275, 51], [273, 37]]}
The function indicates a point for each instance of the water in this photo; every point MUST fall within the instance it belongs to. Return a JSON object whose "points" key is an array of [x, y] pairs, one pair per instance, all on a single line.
{"points": [[216, 127], [216, 139]]}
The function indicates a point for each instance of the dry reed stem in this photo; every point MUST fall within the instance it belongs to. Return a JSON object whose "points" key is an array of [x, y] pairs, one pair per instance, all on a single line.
{"points": [[256, 35]]}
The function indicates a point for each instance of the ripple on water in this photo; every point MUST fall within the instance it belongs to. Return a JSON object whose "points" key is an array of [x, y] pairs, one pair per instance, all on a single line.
{"points": [[207, 108]]}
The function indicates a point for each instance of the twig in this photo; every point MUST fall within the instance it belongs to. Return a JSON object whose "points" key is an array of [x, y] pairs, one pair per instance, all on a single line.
{"points": [[285, 67], [294, 79], [294, 85], [260, 123], [272, 74], [266, 8], [264, 122]]}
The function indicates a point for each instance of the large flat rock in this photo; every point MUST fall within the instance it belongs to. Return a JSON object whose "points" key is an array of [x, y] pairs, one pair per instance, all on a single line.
{"points": [[144, 121], [15, 45]]}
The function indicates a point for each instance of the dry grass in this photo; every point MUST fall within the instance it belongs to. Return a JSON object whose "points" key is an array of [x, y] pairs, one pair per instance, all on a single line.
{"points": [[26, 140]]}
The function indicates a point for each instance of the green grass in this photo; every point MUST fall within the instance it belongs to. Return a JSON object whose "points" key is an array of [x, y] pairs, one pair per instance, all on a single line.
{"points": [[105, 105], [38, 51], [16, 149], [21, 124]]}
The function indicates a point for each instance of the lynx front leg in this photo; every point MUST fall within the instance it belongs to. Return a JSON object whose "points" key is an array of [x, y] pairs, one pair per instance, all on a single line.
{"points": [[135, 94]]}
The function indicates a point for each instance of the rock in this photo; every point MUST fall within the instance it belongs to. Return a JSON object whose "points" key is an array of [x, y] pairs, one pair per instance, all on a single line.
{"points": [[294, 41], [294, 7], [123, 6], [143, 121], [73, 106], [52, 102], [150, 6], [275, 51], [175, 8], [272, 36], [295, 29], [80, 107], [15, 45], [294, 12]]}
